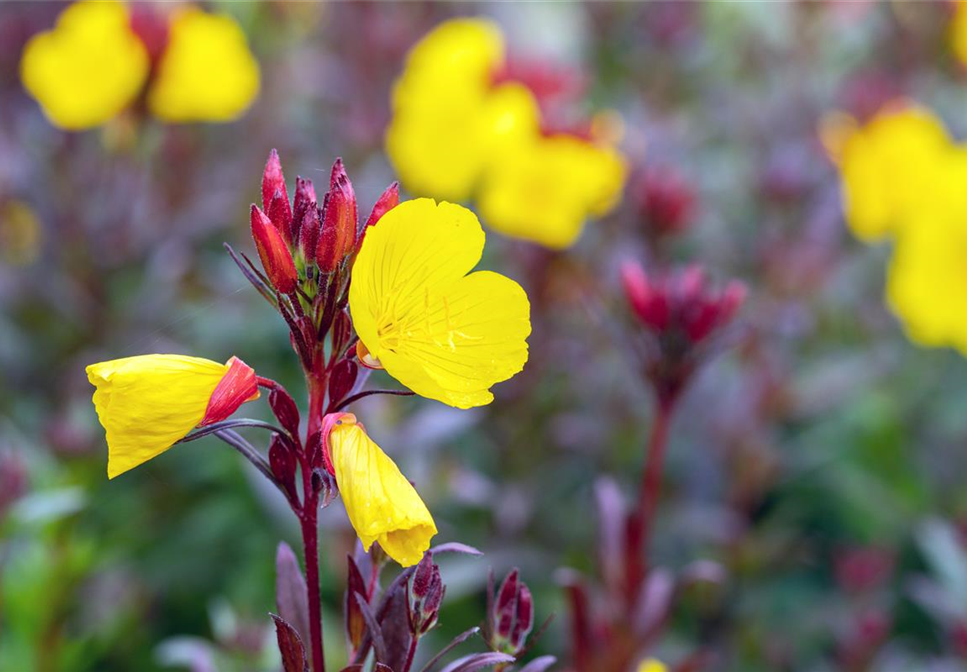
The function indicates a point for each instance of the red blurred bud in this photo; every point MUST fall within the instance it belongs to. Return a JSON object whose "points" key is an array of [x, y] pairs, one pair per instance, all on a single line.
{"points": [[309, 232], [237, 386], [507, 593], [274, 253], [272, 180], [525, 618], [151, 27], [337, 237], [422, 576], [280, 214], [650, 306], [305, 198], [426, 595], [666, 201]]}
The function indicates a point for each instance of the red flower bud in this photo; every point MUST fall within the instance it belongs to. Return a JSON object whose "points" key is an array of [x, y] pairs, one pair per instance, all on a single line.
{"points": [[650, 306], [666, 202], [237, 386], [272, 180], [422, 576], [525, 618], [426, 595], [513, 615], [337, 237], [274, 253], [305, 198], [280, 213], [309, 232], [151, 27], [386, 202]]}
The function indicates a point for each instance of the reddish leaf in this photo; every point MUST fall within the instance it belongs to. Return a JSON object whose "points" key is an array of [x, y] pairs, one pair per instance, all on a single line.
{"points": [[290, 646]]}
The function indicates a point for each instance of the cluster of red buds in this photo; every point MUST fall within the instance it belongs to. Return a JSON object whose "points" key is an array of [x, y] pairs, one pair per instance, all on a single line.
{"points": [[665, 201], [681, 314], [510, 617]]}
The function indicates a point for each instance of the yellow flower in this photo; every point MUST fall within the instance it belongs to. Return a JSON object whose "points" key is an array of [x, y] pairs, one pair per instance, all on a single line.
{"points": [[147, 403], [443, 333], [543, 191], [88, 68], [888, 168], [206, 73], [958, 31], [382, 505], [652, 665], [927, 278], [455, 134]]}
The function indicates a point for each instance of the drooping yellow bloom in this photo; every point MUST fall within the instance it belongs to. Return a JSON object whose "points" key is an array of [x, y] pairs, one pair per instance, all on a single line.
{"points": [[147, 403], [927, 279], [457, 134], [544, 190], [652, 665], [88, 68], [382, 505], [444, 334], [888, 168], [207, 72]]}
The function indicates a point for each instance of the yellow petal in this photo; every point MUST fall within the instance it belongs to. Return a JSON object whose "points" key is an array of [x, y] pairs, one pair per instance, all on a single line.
{"points": [[447, 122], [147, 403], [544, 191], [927, 276], [207, 72], [88, 68], [887, 170], [444, 334], [382, 505]]}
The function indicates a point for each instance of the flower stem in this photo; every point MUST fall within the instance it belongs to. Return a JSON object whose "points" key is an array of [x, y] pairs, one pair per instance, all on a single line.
{"points": [[310, 540], [641, 521], [414, 640]]}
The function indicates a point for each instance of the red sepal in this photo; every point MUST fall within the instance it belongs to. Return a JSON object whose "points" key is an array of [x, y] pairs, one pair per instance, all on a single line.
{"points": [[237, 386]]}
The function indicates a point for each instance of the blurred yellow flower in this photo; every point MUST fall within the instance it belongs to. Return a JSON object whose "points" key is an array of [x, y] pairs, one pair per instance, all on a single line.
{"points": [[456, 134], [88, 68], [543, 190], [443, 333], [958, 31], [147, 403], [927, 278], [652, 665], [381, 503], [206, 72], [888, 168]]}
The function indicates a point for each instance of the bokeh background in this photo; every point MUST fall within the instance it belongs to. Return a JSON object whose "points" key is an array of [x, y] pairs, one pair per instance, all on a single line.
{"points": [[815, 478]]}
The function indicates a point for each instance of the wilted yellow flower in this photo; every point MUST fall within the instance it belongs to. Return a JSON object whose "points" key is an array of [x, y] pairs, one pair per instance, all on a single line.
{"points": [[443, 333], [147, 403], [206, 72], [545, 189], [382, 505], [652, 665], [88, 68], [456, 133], [888, 168], [927, 279]]}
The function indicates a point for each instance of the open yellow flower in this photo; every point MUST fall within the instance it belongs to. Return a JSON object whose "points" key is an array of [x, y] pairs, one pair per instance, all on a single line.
{"points": [[147, 403], [927, 278], [545, 189], [88, 68], [382, 505], [888, 168], [443, 333], [206, 72]]}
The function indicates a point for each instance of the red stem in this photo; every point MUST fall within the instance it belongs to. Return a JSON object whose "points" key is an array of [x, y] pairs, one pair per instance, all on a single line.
{"points": [[414, 640], [641, 521], [310, 526]]}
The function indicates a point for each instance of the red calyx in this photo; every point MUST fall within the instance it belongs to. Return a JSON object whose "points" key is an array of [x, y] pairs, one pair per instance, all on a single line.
{"points": [[237, 386], [337, 238]]}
